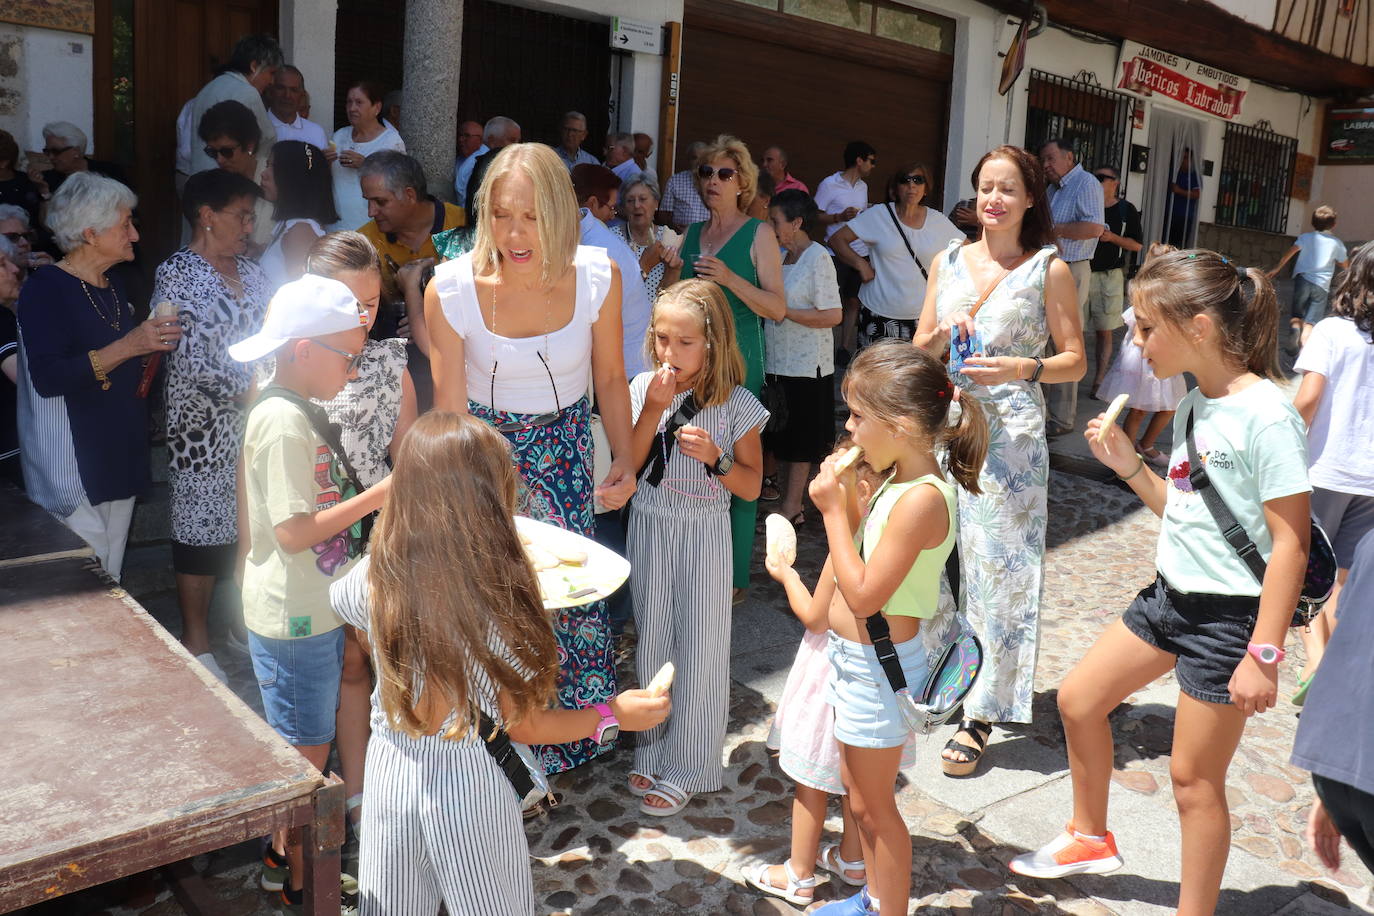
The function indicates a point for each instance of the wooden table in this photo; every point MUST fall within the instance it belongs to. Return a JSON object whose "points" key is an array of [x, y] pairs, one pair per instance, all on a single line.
{"points": [[120, 753]]}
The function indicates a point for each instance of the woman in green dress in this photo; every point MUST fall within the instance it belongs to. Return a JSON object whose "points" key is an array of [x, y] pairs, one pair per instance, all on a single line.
{"points": [[741, 255]]}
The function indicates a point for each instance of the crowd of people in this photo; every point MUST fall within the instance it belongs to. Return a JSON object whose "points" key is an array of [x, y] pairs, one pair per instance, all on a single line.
{"points": [[359, 380]]}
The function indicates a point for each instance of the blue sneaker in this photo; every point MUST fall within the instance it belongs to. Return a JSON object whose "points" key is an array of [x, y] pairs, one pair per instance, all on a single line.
{"points": [[857, 905]]}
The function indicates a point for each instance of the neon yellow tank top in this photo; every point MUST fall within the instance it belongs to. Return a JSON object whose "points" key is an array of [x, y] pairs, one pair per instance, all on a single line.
{"points": [[918, 595]]}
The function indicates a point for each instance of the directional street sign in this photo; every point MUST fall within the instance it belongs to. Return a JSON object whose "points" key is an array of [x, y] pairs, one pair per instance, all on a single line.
{"points": [[633, 35]]}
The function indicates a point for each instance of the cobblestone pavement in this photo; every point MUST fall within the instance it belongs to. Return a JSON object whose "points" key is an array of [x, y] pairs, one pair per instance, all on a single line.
{"points": [[597, 854]]}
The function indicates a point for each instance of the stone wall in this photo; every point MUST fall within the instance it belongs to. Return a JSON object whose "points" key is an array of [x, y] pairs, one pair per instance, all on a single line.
{"points": [[1245, 246]]}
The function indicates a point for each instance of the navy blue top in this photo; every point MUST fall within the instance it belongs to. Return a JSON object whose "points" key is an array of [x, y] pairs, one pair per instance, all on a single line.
{"points": [[59, 324]]}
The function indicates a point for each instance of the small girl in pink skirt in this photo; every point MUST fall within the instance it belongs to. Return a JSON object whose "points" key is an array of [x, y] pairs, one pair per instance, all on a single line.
{"points": [[803, 734]]}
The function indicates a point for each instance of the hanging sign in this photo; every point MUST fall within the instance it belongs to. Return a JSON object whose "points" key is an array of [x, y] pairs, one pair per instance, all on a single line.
{"points": [[633, 35], [1146, 71], [1348, 136]]}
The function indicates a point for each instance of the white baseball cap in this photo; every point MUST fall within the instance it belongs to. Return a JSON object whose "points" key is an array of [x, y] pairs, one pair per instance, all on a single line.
{"points": [[309, 307]]}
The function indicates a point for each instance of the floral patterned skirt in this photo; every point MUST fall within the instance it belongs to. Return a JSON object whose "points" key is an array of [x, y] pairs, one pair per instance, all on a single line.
{"points": [[555, 465]]}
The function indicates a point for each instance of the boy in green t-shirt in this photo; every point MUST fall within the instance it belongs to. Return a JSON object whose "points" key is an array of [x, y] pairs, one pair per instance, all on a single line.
{"points": [[304, 521]]}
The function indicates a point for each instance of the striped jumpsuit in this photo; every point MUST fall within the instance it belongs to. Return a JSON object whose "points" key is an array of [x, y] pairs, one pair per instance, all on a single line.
{"points": [[680, 553], [441, 821]]}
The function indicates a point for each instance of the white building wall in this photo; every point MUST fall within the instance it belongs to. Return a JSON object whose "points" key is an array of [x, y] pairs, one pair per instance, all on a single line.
{"points": [[307, 29], [45, 75], [1256, 12]]}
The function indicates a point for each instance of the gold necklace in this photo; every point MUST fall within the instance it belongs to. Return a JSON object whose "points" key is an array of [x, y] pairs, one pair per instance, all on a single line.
{"points": [[112, 323]]}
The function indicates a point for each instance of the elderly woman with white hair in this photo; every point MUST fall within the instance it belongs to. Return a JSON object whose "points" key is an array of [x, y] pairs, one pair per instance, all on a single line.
{"points": [[655, 246], [83, 428], [64, 154], [17, 229]]}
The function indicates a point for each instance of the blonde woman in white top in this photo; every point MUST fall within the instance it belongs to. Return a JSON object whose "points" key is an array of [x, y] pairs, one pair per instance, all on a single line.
{"points": [[798, 350], [365, 134]]}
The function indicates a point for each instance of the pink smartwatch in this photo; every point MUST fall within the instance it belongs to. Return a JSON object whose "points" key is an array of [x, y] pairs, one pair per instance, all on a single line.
{"points": [[608, 729], [1265, 653]]}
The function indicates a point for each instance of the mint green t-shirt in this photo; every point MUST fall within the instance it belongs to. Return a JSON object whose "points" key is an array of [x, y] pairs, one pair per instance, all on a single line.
{"points": [[1254, 447]]}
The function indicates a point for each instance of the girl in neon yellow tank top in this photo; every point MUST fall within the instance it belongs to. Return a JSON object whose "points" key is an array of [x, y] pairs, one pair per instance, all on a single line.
{"points": [[899, 399]]}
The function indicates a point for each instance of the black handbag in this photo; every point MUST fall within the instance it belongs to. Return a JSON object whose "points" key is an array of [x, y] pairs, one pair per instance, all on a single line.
{"points": [[1321, 559], [774, 399]]}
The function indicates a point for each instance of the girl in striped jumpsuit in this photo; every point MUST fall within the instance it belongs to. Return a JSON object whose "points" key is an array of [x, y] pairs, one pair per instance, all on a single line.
{"points": [[451, 612], [696, 437]]}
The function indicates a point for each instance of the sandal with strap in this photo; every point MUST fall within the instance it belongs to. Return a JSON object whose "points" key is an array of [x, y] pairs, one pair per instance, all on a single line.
{"points": [[769, 492], [758, 877], [639, 791], [676, 798], [829, 859], [979, 732]]}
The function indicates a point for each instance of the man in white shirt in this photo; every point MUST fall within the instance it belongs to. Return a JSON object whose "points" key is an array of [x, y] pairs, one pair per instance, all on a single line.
{"points": [[285, 98], [470, 146], [252, 68], [644, 148], [598, 189], [620, 156], [841, 197]]}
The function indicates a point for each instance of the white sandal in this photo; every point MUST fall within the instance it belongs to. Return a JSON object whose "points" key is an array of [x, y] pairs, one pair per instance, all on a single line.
{"points": [[758, 877], [639, 791], [676, 798], [830, 860]]}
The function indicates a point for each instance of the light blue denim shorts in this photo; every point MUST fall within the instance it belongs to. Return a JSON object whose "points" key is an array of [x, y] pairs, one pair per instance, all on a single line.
{"points": [[866, 713], [299, 681]]}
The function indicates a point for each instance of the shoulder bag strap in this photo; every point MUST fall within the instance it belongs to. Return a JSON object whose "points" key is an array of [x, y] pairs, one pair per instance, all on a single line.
{"points": [[905, 241], [657, 462], [1231, 530], [991, 287], [881, 635]]}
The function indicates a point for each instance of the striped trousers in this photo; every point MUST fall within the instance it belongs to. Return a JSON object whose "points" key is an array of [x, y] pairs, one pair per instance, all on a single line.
{"points": [[440, 823], [682, 565]]}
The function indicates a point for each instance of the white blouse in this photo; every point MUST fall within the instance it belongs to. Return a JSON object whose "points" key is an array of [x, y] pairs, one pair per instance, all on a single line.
{"points": [[793, 349], [522, 383], [348, 191]]}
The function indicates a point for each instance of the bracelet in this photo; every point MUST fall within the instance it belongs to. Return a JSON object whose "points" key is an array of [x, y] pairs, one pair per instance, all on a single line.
{"points": [[99, 371], [1138, 468], [1039, 368]]}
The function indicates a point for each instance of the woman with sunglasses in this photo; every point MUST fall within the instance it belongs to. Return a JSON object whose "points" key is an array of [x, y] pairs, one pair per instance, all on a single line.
{"points": [[903, 237], [740, 255], [520, 326], [231, 135], [220, 296]]}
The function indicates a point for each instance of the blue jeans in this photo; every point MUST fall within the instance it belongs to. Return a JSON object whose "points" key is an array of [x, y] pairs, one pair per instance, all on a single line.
{"points": [[299, 681], [1309, 300]]}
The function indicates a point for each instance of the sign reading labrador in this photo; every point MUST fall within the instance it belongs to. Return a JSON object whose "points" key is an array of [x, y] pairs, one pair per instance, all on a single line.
{"points": [[1147, 71]]}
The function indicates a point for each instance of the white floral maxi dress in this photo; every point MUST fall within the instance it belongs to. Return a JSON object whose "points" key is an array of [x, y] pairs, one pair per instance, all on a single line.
{"points": [[1002, 532]]}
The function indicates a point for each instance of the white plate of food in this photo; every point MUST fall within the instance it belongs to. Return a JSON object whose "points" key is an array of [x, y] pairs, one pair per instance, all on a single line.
{"points": [[572, 570]]}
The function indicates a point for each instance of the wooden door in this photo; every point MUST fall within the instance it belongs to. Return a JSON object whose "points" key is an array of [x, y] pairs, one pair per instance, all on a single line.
{"points": [[771, 79], [157, 54]]}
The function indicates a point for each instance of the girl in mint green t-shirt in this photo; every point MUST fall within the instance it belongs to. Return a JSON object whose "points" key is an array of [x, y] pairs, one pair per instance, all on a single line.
{"points": [[1206, 617]]}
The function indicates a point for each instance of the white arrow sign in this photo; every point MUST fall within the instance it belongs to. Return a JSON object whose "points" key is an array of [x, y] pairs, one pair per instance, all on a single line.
{"points": [[633, 35]]}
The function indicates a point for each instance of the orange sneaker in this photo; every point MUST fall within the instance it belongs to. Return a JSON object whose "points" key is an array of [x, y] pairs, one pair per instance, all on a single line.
{"points": [[1069, 854]]}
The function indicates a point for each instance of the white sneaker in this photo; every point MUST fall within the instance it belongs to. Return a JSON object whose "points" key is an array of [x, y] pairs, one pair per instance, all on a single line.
{"points": [[208, 660], [1069, 854]]}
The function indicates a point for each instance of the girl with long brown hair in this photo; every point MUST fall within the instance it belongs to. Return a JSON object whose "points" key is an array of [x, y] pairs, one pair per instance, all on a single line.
{"points": [[901, 404], [451, 611]]}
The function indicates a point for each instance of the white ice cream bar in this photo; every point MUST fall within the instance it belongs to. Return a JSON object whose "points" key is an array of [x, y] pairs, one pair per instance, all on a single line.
{"points": [[781, 539], [662, 681], [1109, 418], [848, 459]]}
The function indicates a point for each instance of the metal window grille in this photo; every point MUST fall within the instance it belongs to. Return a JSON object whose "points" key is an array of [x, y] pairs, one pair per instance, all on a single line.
{"points": [[1095, 120], [1256, 174]]}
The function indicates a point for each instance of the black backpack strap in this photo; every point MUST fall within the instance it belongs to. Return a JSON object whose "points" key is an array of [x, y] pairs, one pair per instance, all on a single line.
{"points": [[881, 635], [327, 431], [497, 743], [905, 241], [657, 462], [1231, 530]]}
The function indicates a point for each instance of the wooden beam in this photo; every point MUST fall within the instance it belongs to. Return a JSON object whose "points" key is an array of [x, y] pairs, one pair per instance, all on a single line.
{"points": [[1208, 34]]}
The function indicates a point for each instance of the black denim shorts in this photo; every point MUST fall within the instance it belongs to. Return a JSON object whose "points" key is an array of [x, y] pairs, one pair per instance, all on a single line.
{"points": [[1209, 634]]}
